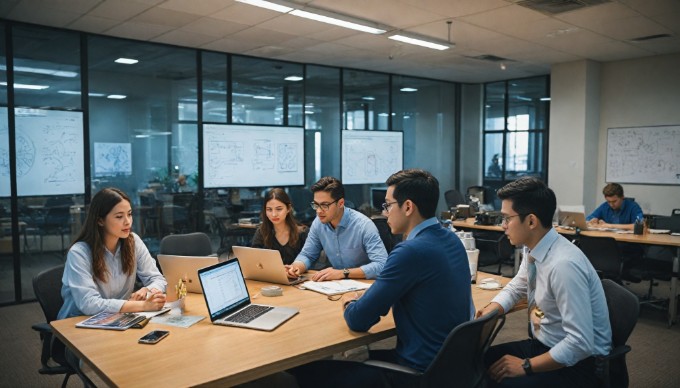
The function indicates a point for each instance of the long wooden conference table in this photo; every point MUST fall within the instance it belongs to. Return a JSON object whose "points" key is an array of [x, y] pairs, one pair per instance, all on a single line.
{"points": [[206, 354], [647, 238]]}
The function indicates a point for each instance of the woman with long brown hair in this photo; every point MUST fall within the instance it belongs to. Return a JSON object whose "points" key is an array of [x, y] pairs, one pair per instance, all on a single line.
{"points": [[103, 262], [279, 229]]}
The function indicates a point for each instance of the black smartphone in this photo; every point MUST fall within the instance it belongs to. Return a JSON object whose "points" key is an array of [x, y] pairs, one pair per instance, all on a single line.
{"points": [[153, 337]]}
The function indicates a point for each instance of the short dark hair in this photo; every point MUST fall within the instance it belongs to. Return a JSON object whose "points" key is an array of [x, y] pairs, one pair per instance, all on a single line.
{"points": [[529, 195], [613, 189], [419, 186], [331, 185]]}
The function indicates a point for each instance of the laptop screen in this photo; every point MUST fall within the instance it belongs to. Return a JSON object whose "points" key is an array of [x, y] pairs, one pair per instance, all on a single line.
{"points": [[224, 287]]}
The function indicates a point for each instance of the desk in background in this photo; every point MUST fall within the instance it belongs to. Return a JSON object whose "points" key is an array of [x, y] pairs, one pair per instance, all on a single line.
{"points": [[207, 354]]}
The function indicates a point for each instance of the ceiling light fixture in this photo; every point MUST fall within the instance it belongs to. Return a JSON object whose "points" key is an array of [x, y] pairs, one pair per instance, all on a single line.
{"points": [[264, 97], [37, 70], [116, 96], [368, 98], [408, 90], [26, 86], [268, 5], [420, 42], [294, 78], [337, 20], [126, 61]]}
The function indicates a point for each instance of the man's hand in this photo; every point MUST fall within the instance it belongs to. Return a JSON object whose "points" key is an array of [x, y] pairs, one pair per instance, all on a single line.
{"points": [[295, 270], [348, 297], [489, 308], [328, 274], [506, 366]]}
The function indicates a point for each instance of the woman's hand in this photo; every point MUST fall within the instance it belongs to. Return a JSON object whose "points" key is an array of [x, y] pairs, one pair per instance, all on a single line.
{"points": [[155, 301], [139, 294]]}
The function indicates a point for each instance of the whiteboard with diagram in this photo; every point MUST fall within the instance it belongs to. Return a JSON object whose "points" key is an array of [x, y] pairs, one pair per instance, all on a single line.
{"points": [[371, 156]]}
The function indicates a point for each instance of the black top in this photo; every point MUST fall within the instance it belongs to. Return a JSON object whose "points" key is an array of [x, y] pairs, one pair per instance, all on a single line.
{"points": [[288, 252]]}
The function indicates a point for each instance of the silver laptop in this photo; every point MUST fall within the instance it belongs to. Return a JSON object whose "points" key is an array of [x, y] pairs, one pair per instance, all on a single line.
{"points": [[185, 267], [575, 220], [228, 301], [264, 265]]}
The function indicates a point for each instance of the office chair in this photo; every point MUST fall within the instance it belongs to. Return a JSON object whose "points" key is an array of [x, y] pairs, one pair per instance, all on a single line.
{"points": [[47, 289], [603, 253], [191, 244], [454, 198], [623, 308], [388, 239], [494, 248], [460, 359], [57, 220]]}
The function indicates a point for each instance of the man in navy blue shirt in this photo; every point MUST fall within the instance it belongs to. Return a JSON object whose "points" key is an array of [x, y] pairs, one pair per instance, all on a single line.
{"points": [[425, 281], [617, 212]]}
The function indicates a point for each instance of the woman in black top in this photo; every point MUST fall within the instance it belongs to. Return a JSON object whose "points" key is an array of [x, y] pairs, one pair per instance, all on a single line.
{"points": [[279, 229]]}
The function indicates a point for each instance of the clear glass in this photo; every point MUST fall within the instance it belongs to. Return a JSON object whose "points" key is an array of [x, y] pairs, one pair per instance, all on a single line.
{"points": [[261, 88], [525, 155], [215, 87], [366, 100], [494, 106], [528, 104], [493, 150]]}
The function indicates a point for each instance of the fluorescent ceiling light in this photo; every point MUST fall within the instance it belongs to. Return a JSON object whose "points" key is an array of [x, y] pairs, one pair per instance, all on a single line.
{"points": [[116, 96], [420, 42], [294, 78], [37, 70], [77, 93], [408, 89], [264, 97], [267, 5], [142, 136], [368, 98], [309, 112], [126, 61], [26, 86], [545, 98], [337, 22]]}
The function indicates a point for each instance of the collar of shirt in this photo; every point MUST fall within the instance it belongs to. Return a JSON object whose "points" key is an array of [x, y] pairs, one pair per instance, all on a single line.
{"points": [[543, 247], [344, 221], [419, 228]]}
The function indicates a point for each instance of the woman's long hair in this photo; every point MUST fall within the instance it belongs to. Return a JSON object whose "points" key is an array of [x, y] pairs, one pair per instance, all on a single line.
{"points": [[93, 234], [267, 228]]}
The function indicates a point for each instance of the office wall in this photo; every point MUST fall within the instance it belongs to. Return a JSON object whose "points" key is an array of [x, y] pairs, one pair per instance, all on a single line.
{"points": [[471, 136], [588, 98], [641, 92]]}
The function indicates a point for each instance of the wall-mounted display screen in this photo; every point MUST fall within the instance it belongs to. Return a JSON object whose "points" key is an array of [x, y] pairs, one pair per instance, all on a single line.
{"points": [[252, 156], [371, 156]]}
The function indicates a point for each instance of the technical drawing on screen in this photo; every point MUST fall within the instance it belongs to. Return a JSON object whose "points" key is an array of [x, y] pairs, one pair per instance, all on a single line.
{"points": [[371, 156]]}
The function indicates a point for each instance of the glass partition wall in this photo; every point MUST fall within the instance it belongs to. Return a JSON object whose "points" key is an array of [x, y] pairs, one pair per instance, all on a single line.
{"points": [[141, 109]]}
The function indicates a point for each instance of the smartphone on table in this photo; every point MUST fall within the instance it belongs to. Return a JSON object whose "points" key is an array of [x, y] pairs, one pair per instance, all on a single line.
{"points": [[153, 337]]}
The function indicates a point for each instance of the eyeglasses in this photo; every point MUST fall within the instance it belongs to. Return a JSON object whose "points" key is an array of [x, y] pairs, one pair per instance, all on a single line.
{"points": [[506, 219], [323, 206], [387, 206]]}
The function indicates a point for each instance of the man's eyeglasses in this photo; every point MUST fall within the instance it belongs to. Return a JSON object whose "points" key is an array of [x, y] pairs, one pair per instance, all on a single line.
{"points": [[323, 206], [506, 219], [387, 206]]}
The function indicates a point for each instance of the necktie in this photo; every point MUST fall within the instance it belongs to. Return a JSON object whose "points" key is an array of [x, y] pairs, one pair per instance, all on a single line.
{"points": [[531, 283]]}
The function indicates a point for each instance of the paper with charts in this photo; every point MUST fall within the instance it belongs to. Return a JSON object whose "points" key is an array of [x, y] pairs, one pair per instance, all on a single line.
{"points": [[371, 156]]}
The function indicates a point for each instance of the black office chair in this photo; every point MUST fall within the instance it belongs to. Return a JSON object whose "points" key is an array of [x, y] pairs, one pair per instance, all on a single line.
{"points": [[603, 253], [454, 198], [494, 249], [388, 239], [623, 307], [460, 359], [190, 244], [57, 220], [47, 289]]}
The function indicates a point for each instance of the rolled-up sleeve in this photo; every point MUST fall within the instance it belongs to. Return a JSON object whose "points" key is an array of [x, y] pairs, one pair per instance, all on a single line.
{"points": [[515, 290], [375, 249]]}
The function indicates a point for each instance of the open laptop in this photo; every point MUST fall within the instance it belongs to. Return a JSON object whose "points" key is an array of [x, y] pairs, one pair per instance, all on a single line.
{"points": [[575, 220], [228, 301], [185, 267], [264, 265]]}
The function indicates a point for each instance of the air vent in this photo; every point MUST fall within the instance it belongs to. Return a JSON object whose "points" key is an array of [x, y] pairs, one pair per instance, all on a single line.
{"points": [[491, 58], [553, 7], [650, 37]]}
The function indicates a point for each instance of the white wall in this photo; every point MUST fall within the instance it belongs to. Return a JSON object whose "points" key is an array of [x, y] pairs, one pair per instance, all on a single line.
{"points": [[588, 98]]}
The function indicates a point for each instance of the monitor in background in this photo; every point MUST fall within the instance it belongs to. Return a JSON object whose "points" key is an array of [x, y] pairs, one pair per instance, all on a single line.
{"points": [[378, 197]]}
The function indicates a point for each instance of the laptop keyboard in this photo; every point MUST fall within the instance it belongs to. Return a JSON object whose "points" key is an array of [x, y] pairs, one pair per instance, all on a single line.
{"points": [[248, 314]]}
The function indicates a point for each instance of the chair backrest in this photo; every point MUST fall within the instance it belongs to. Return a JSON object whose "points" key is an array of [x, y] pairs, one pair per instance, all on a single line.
{"points": [[388, 239], [603, 253], [454, 198], [460, 358], [624, 309], [47, 289], [190, 244]]}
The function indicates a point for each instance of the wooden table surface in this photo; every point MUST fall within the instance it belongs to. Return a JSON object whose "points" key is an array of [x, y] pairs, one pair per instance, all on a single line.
{"points": [[207, 354]]}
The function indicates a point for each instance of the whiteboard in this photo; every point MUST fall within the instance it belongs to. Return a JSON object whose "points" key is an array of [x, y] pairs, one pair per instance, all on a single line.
{"points": [[49, 152], [5, 189], [252, 156], [644, 155], [112, 159], [371, 156]]}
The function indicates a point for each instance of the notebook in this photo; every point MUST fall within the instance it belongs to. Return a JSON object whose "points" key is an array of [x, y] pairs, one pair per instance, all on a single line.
{"points": [[228, 301], [185, 267], [576, 220], [264, 265]]}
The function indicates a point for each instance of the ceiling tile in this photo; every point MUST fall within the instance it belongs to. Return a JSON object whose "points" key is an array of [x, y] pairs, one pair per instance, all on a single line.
{"points": [[283, 23], [230, 45], [213, 27], [457, 8], [119, 9], [52, 16], [504, 19], [379, 12], [245, 14], [261, 36], [184, 38], [164, 17], [141, 31], [195, 7], [93, 24]]}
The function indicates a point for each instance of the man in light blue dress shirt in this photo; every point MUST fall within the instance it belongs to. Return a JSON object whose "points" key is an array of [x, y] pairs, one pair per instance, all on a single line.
{"points": [[350, 239], [569, 319]]}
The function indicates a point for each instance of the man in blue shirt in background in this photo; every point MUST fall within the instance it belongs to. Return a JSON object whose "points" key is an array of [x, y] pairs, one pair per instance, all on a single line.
{"points": [[426, 283], [617, 212], [350, 239]]}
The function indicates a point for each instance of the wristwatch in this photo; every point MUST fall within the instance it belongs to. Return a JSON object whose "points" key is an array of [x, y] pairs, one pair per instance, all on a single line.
{"points": [[526, 365], [345, 273]]}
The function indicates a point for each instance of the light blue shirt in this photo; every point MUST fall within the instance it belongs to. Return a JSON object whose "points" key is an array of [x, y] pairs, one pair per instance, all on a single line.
{"points": [[354, 243], [83, 295], [568, 291]]}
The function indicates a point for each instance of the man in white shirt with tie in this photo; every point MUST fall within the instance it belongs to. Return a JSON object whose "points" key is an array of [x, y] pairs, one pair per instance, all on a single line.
{"points": [[567, 307]]}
